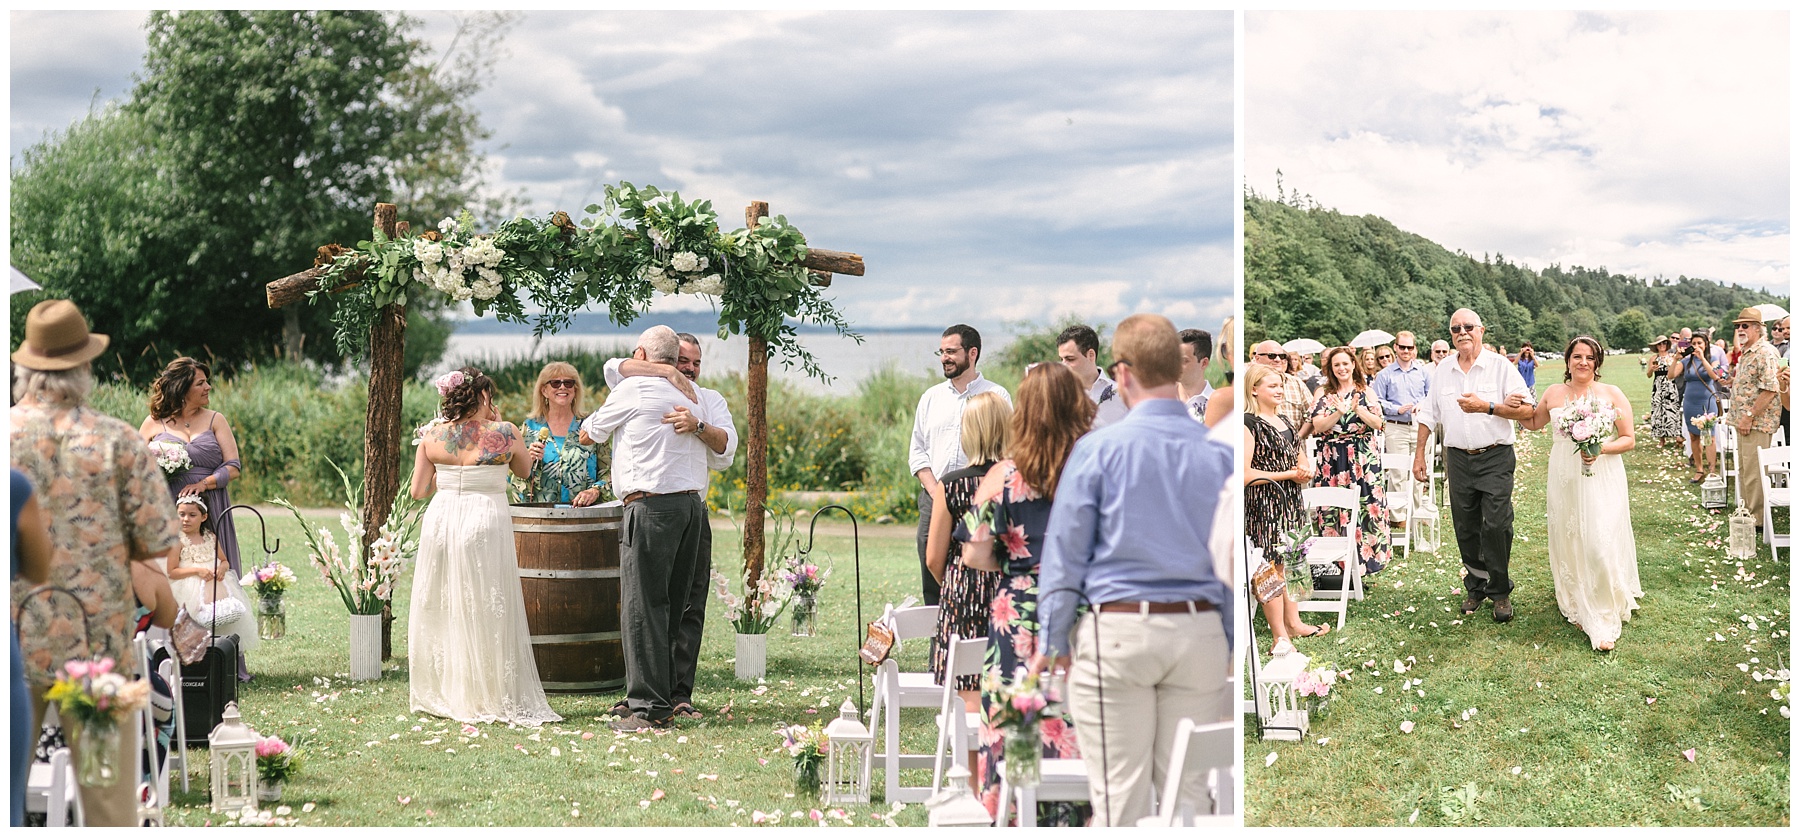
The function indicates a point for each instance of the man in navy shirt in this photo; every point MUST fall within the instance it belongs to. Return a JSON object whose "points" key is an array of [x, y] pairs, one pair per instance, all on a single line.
{"points": [[1130, 529]]}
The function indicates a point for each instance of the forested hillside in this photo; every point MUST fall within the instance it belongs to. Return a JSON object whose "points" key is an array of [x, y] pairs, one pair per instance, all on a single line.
{"points": [[1316, 272]]}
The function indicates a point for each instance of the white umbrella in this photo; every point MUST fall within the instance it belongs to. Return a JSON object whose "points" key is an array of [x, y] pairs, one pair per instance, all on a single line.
{"points": [[1372, 337], [21, 282], [1771, 312], [1303, 345]]}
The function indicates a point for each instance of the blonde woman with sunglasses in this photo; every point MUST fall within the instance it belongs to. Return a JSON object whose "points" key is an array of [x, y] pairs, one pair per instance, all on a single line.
{"points": [[563, 470]]}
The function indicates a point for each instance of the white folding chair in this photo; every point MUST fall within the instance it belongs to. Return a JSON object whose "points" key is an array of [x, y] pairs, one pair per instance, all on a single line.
{"points": [[170, 669], [153, 794], [1726, 438], [1059, 780], [50, 787], [896, 690], [1197, 749], [1396, 473], [1248, 665], [957, 729], [1325, 551], [1774, 461]]}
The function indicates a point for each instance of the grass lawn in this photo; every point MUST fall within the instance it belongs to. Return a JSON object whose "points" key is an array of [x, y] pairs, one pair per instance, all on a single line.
{"points": [[1524, 724], [370, 761]]}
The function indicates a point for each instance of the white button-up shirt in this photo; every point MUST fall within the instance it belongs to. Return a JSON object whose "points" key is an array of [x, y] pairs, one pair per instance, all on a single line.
{"points": [[1492, 378], [937, 426], [712, 409], [648, 455], [1109, 408]]}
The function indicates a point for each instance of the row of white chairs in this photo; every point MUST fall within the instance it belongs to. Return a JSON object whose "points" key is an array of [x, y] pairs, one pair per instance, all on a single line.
{"points": [[1197, 748]]}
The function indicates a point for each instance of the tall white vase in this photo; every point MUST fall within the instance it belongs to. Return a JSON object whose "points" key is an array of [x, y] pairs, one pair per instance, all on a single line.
{"points": [[752, 656], [365, 647]]}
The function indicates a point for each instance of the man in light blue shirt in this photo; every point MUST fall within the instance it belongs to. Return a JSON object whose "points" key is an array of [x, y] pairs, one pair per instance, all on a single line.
{"points": [[1400, 388], [1130, 530]]}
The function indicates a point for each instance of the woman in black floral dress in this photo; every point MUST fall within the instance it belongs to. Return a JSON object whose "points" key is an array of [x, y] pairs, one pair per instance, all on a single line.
{"points": [[967, 594], [1053, 411], [1345, 418], [1278, 469]]}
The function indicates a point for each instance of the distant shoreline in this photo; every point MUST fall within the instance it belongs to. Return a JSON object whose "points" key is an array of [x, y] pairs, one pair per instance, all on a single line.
{"points": [[598, 324]]}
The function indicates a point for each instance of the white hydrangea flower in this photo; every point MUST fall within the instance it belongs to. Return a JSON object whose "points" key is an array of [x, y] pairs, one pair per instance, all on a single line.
{"points": [[664, 283], [447, 226], [685, 262], [701, 266], [657, 237], [429, 252], [483, 252], [713, 285]]}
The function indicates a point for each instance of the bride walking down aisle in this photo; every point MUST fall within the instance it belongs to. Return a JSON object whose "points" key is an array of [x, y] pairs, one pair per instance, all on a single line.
{"points": [[1593, 553], [470, 647]]}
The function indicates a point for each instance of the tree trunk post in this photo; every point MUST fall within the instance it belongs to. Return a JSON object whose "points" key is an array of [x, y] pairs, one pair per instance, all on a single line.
{"points": [[381, 464], [756, 462]]}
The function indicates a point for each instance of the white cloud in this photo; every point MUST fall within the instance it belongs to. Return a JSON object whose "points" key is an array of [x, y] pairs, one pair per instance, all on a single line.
{"points": [[1650, 143]]}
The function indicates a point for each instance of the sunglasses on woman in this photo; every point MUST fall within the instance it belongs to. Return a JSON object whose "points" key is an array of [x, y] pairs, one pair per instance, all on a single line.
{"points": [[563, 383]]}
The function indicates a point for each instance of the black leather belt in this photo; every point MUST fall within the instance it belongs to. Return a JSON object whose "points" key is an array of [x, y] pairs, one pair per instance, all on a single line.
{"points": [[1478, 451]]}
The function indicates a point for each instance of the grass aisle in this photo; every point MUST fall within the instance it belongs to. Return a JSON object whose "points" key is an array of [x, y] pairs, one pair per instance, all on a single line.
{"points": [[1524, 724], [369, 761]]}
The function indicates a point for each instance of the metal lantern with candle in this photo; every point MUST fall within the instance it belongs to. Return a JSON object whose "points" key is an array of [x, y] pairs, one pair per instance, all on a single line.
{"points": [[1741, 546], [849, 747], [955, 806], [234, 780], [1712, 492]]}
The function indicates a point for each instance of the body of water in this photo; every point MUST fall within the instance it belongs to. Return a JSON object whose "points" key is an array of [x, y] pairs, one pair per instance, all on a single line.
{"points": [[842, 358]]}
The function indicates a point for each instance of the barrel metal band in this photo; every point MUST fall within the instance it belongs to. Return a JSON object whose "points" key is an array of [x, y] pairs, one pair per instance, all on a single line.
{"points": [[551, 529], [528, 573], [558, 639]]}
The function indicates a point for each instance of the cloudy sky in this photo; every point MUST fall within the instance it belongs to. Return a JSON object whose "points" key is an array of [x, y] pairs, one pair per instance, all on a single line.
{"points": [[1648, 143], [988, 166]]}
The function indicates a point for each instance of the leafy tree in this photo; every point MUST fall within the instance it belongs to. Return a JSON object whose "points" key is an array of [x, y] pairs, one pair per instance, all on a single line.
{"points": [[1630, 330], [251, 138], [1549, 331]]}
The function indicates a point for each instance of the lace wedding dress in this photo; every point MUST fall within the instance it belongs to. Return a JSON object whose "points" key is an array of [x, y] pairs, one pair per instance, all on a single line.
{"points": [[469, 645], [1593, 555]]}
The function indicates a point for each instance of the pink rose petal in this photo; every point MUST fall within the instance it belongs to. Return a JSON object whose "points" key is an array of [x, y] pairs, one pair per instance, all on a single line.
{"points": [[1689, 752], [1406, 726]]}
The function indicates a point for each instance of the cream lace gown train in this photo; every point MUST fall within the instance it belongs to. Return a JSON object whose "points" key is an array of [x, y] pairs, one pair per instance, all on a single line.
{"points": [[469, 645], [1593, 554]]}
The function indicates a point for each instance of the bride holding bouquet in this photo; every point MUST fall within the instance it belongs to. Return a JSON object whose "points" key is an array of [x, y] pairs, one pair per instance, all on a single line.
{"points": [[1593, 555]]}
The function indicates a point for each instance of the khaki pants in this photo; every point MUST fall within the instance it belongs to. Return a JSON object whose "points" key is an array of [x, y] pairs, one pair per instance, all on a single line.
{"points": [[1157, 669], [1750, 470], [1401, 438], [116, 805]]}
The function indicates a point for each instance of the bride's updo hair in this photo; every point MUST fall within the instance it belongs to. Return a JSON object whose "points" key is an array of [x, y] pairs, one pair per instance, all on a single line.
{"points": [[461, 392], [1593, 346], [168, 394]]}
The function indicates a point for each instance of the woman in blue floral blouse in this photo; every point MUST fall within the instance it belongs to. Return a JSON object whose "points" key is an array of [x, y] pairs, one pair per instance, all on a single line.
{"points": [[563, 470]]}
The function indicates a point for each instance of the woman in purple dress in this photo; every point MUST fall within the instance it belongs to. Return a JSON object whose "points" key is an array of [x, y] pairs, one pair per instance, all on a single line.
{"points": [[179, 416]]}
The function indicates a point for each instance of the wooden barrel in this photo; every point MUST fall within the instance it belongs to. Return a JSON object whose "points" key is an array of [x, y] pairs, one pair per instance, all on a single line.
{"points": [[569, 569]]}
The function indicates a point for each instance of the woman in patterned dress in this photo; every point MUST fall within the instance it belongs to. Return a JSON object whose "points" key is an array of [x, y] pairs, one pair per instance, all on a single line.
{"points": [[967, 594], [1345, 419], [1278, 468], [563, 469], [1052, 412], [1665, 396]]}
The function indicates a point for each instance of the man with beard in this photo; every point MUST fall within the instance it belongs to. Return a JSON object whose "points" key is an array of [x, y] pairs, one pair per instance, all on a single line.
{"points": [[710, 422], [937, 429]]}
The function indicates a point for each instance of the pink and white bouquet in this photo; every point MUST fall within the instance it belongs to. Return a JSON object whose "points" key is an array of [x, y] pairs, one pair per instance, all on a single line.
{"points": [[271, 579], [1314, 685], [276, 760], [365, 583], [1589, 424], [755, 611], [1705, 424], [90, 691], [805, 578], [172, 457], [1019, 704]]}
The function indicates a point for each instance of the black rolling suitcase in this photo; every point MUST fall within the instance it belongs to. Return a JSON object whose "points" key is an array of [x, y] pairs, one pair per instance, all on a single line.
{"points": [[206, 687]]}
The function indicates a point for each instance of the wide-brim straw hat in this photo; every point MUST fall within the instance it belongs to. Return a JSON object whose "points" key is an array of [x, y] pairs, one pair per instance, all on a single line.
{"points": [[57, 338], [1748, 315]]}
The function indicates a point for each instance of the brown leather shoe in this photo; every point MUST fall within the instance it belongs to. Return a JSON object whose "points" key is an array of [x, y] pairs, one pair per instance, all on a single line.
{"points": [[1471, 603], [1502, 608]]}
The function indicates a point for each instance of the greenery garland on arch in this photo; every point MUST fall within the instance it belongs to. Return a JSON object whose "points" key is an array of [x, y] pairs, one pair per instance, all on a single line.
{"points": [[639, 242]]}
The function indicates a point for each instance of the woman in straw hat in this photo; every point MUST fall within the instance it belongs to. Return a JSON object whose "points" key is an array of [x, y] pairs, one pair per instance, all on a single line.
{"points": [[111, 518]]}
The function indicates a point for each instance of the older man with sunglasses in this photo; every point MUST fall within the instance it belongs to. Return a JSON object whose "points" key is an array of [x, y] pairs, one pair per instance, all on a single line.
{"points": [[1475, 397], [1296, 400], [1755, 411]]}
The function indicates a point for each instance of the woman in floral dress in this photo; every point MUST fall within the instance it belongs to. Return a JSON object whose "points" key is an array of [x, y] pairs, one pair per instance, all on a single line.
{"points": [[967, 593], [563, 469], [1051, 413], [1665, 396], [1345, 418]]}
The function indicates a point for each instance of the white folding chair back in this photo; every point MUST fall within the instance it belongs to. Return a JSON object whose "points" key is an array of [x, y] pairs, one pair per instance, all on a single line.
{"points": [[1773, 461], [896, 690], [1197, 749], [1059, 780], [170, 669], [150, 811], [1326, 551], [50, 788], [1396, 472], [1248, 665], [957, 729]]}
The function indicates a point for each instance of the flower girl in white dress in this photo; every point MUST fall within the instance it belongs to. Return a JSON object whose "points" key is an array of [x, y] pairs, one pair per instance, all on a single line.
{"points": [[192, 575]]}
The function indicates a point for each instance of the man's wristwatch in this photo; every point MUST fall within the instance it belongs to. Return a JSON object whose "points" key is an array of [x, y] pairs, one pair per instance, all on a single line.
{"points": [[1490, 408], [699, 429]]}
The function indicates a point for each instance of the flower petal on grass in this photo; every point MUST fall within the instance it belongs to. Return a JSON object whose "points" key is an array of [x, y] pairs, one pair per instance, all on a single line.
{"points": [[1406, 726], [1689, 752], [657, 794], [1270, 761]]}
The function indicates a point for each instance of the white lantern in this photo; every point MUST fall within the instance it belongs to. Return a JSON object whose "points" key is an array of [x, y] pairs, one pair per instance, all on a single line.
{"points": [[234, 779], [1741, 545], [1712, 492], [849, 746], [1423, 536], [955, 807], [1277, 706]]}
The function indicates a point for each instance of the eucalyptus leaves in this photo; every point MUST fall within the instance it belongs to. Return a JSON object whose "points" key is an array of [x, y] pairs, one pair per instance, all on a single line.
{"points": [[638, 242]]}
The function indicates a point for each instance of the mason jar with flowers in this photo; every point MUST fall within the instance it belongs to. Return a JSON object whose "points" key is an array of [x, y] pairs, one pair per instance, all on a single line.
{"points": [[96, 701], [276, 762], [269, 583]]}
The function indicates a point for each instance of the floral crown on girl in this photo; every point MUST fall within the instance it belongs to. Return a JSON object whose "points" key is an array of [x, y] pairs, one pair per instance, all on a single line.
{"points": [[192, 500]]}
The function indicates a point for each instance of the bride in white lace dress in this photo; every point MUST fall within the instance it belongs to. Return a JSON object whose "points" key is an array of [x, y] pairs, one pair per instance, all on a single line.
{"points": [[469, 646], [1593, 554]]}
